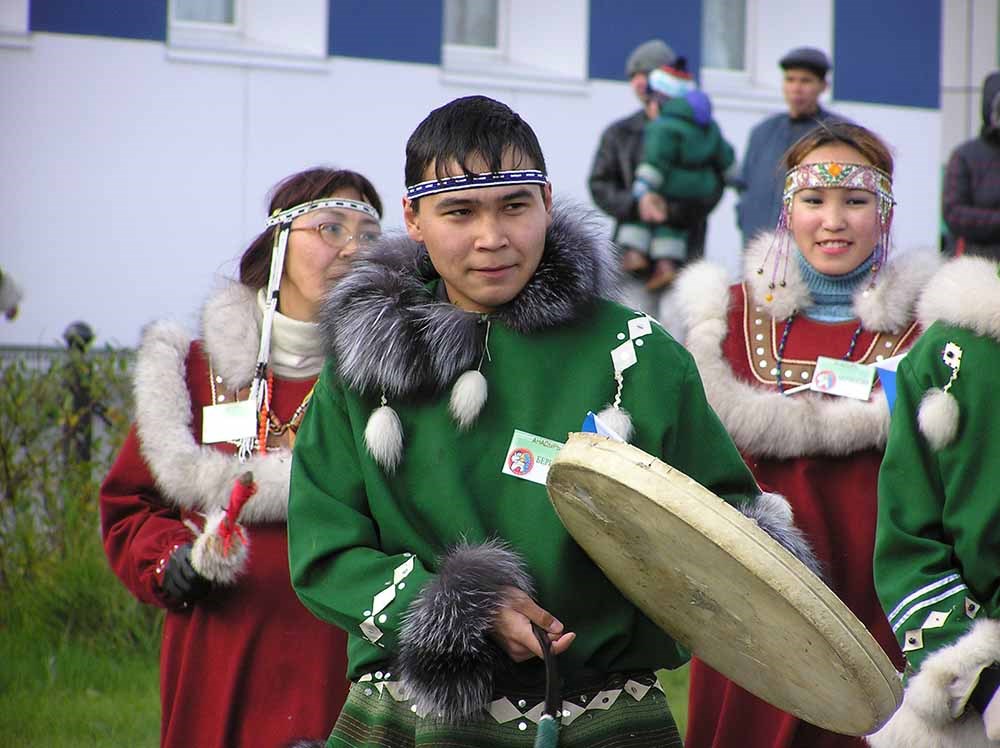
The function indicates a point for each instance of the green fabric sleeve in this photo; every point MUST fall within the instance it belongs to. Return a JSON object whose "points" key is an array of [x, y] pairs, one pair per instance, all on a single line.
{"points": [[700, 447], [915, 571], [338, 568]]}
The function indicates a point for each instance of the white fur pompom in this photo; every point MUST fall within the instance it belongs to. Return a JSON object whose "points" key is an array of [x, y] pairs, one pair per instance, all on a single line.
{"points": [[938, 417], [468, 395], [618, 420], [384, 437], [211, 559]]}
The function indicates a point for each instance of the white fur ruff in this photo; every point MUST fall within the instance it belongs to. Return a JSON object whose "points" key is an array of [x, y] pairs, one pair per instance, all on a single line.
{"points": [[468, 396], [618, 420], [934, 694], [384, 437], [938, 417], [208, 556]]}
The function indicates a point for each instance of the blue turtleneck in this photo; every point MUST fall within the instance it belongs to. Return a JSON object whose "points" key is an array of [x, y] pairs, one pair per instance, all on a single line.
{"points": [[832, 294]]}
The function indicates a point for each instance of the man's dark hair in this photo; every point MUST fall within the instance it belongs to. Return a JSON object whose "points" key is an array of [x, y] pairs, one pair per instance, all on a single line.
{"points": [[469, 128]]}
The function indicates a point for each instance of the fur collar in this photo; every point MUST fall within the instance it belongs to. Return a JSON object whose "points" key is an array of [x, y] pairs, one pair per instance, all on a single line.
{"points": [[189, 475], [885, 308], [390, 335], [947, 296], [763, 422]]}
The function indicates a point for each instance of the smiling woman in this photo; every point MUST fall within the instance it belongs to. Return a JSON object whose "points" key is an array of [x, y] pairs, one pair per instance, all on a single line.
{"points": [[822, 286]]}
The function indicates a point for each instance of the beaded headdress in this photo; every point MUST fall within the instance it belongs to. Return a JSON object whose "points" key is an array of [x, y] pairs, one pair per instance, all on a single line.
{"points": [[281, 220], [470, 181], [822, 175]]}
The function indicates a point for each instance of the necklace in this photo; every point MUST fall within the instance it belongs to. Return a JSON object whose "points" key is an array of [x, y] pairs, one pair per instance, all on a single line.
{"points": [[269, 425], [784, 340]]}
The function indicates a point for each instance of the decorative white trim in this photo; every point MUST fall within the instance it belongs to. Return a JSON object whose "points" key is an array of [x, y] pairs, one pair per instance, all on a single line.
{"points": [[503, 710], [382, 599], [922, 591]]}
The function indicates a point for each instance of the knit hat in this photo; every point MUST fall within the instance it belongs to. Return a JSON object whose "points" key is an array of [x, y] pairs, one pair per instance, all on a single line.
{"points": [[808, 58], [649, 56], [670, 82]]}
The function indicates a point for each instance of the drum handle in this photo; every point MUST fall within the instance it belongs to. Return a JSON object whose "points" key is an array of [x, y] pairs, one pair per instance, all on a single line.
{"points": [[548, 725]]}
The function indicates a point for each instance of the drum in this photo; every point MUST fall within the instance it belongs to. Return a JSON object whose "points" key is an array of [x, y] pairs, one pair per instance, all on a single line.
{"points": [[718, 584]]}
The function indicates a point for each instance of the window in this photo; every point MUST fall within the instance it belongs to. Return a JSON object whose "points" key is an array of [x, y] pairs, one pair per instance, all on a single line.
{"points": [[471, 23], [14, 23], [510, 43], [259, 33], [204, 11], [723, 34]]}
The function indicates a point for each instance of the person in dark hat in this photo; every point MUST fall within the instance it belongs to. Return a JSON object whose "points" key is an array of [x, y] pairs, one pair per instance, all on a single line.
{"points": [[619, 154], [760, 180]]}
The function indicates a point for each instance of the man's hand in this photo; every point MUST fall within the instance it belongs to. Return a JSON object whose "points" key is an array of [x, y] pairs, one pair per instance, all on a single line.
{"points": [[512, 628], [652, 208]]}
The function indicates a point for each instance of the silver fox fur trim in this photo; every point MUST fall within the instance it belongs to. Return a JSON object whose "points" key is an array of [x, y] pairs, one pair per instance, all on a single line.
{"points": [[390, 336], [773, 514], [760, 420], [446, 656]]}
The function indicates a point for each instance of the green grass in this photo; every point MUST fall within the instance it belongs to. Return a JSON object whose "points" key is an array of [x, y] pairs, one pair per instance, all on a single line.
{"points": [[675, 685], [73, 696]]}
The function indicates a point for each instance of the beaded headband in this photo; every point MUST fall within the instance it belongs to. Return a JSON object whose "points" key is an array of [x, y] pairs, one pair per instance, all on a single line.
{"points": [[289, 214], [845, 176], [824, 175], [471, 181], [283, 220]]}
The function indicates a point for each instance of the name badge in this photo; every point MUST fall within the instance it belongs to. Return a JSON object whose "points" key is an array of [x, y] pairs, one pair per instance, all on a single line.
{"points": [[228, 422], [843, 378], [530, 457]]}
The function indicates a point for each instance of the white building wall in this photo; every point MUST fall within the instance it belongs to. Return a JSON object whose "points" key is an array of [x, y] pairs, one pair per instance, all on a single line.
{"points": [[131, 182]]}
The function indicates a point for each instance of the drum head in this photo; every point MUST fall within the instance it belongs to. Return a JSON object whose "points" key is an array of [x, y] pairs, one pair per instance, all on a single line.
{"points": [[722, 587]]}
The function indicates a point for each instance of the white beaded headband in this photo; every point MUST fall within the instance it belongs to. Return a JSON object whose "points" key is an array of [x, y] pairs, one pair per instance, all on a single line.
{"points": [[283, 220], [289, 214], [471, 181]]}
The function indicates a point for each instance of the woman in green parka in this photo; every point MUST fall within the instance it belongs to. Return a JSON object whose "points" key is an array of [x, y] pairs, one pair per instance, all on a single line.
{"points": [[937, 551], [419, 522]]}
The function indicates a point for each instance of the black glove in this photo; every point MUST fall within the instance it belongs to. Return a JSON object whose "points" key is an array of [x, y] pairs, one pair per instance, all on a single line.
{"points": [[181, 582]]}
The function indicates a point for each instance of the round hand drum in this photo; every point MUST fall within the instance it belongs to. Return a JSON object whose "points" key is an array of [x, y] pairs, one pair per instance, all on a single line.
{"points": [[718, 584]]}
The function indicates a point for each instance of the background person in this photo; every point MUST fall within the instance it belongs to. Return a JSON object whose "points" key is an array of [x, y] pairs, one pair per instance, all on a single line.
{"points": [[824, 284], [613, 175], [762, 173], [242, 662], [684, 158], [971, 195]]}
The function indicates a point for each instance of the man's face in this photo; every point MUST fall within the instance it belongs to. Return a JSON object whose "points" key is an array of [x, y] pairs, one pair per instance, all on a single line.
{"points": [[802, 89], [484, 242], [640, 83]]}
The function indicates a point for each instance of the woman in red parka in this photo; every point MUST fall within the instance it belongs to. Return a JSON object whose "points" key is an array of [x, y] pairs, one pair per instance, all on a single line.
{"points": [[243, 663], [823, 285]]}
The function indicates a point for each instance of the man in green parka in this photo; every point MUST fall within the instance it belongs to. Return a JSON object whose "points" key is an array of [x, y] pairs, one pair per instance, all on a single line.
{"points": [[937, 547], [461, 356]]}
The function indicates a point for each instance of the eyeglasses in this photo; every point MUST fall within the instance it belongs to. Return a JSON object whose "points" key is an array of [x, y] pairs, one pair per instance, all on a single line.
{"points": [[337, 235]]}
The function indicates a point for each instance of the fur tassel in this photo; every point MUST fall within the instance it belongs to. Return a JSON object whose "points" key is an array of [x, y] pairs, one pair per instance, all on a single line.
{"points": [[938, 417], [773, 514], [384, 437], [618, 420], [468, 396], [936, 693], [214, 562], [446, 655]]}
